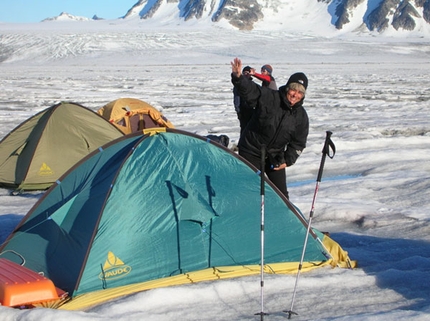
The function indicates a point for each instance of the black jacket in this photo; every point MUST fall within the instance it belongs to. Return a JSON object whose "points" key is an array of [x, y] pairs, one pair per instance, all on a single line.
{"points": [[282, 128]]}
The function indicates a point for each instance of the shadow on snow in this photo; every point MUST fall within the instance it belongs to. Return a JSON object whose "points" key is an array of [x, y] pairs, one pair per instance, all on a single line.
{"points": [[402, 265]]}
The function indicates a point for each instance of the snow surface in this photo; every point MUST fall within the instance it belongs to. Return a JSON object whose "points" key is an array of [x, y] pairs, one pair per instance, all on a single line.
{"points": [[371, 92]]}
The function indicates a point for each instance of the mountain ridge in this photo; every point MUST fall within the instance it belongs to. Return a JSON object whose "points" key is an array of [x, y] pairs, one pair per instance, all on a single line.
{"points": [[335, 16]]}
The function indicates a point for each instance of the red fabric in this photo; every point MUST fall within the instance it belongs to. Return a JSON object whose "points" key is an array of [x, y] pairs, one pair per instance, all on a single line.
{"points": [[262, 77]]}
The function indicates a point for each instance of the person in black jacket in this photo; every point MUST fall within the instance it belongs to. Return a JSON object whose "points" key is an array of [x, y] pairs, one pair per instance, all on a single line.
{"points": [[279, 122], [243, 110]]}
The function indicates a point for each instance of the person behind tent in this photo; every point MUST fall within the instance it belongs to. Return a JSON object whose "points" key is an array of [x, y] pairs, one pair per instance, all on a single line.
{"points": [[280, 123], [265, 76], [243, 109]]}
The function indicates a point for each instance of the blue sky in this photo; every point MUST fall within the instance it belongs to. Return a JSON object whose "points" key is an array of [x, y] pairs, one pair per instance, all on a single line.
{"points": [[37, 10]]}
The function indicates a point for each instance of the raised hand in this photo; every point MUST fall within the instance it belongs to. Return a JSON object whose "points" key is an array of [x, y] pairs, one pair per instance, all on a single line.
{"points": [[236, 67]]}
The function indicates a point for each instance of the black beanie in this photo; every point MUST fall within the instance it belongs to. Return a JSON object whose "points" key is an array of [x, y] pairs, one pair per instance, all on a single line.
{"points": [[247, 68], [299, 78]]}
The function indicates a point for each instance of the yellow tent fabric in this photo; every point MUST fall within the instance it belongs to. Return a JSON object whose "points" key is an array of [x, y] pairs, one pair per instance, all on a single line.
{"points": [[132, 115], [339, 258]]}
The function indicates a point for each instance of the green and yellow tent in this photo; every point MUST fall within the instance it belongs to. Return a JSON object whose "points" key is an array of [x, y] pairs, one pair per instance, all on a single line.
{"points": [[42, 148]]}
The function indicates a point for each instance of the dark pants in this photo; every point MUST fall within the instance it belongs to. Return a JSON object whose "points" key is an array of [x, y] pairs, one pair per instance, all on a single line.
{"points": [[276, 177]]}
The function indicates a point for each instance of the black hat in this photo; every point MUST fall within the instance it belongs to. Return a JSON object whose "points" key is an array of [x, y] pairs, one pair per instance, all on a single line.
{"points": [[247, 68], [299, 78]]}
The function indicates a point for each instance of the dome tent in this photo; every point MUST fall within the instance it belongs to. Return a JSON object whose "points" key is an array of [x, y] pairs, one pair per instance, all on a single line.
{"points": [[131, 115], [42, 148], [160, 209]]}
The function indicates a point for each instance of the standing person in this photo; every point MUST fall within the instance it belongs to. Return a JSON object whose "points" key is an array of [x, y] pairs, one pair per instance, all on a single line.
{"points": [[243, 110], [266, 77], [280, 123]]}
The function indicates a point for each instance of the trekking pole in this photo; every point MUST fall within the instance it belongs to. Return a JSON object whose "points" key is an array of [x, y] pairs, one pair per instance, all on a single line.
{"points": [[262, 173], [328, 144]]}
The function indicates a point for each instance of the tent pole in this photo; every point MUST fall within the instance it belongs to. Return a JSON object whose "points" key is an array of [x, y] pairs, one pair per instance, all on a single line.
{"points": [[325, 152], [262, 193]]}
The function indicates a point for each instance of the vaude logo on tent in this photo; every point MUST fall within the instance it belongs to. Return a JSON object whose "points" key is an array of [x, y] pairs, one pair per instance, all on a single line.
{"points": [[114, 268], [45, 170]]}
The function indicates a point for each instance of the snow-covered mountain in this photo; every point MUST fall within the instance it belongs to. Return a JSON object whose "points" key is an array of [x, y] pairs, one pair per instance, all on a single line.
{"points": [[64, 16], [309, 16], [371, 15]]}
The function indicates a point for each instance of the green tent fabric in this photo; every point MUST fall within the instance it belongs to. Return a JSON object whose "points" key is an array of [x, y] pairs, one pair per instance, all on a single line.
{"points": [[146, 207], [41, 149]]}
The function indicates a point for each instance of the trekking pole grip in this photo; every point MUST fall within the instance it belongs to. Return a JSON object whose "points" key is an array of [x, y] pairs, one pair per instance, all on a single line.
{"points": [[328, 145]]}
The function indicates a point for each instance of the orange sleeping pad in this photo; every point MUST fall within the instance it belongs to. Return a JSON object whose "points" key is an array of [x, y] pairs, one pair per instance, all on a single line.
{"points": [[20, 286]]}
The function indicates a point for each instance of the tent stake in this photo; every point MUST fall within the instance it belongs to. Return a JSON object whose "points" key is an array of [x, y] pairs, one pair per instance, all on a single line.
{"points": [[325, 152]]}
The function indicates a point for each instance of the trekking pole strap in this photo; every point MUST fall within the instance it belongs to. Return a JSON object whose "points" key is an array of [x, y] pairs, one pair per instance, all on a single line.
{"points": [[329, 150], [328, 144]]}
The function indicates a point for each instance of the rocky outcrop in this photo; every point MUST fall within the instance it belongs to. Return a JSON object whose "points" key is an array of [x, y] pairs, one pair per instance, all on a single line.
{"points": [[425, 4], [193, 9], [379, 18], [401, 14], [241, 14], [343, 11], [404, 16]]}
